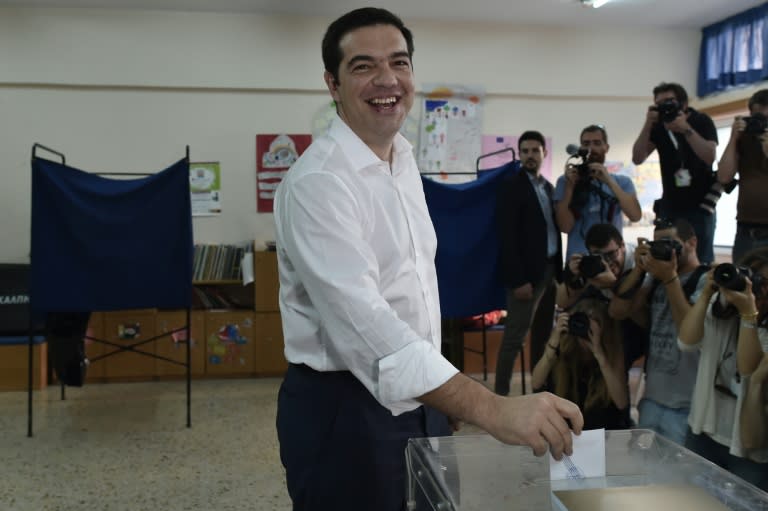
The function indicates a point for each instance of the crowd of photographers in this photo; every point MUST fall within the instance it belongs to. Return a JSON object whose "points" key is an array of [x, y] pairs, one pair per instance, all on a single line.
{"points": [[701, 329]]}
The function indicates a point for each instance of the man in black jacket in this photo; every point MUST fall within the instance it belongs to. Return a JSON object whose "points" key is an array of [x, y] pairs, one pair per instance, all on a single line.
{"points": [[531, 255]]}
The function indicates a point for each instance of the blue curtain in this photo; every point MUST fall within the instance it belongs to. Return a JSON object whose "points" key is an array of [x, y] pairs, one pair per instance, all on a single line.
{"points": [[464, 217], [103, 244], [733, 51]]}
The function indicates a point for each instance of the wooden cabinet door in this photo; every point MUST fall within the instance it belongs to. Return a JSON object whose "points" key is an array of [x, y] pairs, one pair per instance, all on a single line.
{"points": [[125, 328], [270, 357], [169, 346]]}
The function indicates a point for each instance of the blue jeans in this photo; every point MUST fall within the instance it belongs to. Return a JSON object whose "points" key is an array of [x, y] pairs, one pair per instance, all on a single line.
{"points": [[751, 471], [745, 241], [671, 423]]}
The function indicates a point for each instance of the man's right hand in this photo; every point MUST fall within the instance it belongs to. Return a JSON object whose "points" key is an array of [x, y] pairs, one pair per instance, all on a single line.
{"points": [[573, 264], [738, 127], [538, 421], [524, 292], [571, 174], [652, 116]]}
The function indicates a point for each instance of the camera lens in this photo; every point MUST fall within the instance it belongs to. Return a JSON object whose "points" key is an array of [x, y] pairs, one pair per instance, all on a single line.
{"points": [[730, 276]]}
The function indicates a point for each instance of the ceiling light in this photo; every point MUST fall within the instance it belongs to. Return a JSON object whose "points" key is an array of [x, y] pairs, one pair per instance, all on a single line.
{"points": [[595, 3]]}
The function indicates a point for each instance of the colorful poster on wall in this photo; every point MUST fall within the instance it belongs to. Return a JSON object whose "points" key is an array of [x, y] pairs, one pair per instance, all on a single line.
{"points": [[502, 145], [205, 188], [450, 137], [274, 156]]}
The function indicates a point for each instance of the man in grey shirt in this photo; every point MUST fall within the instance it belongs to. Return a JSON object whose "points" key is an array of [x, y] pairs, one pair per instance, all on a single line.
{"points": [[663, 299]]}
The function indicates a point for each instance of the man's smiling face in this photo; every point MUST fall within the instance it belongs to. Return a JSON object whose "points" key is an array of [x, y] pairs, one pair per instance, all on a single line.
{"points": [[374, 91]]}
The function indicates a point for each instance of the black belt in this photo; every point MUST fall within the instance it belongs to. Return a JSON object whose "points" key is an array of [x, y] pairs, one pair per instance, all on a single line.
{"points": [[755, 232], [305, 368]]}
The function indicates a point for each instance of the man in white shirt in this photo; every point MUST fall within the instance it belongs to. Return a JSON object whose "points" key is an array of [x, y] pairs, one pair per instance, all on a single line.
{"points": [[358, 296]]}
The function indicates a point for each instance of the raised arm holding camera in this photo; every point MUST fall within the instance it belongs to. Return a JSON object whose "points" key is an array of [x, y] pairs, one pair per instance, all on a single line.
{"points": [[584, 362], [663, 299], [747, 155], [686, 141], [725, 319], [587, 194]]}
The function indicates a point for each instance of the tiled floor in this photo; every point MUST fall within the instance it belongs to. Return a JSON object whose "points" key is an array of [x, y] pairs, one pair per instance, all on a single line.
{"points": [[125, 447]]}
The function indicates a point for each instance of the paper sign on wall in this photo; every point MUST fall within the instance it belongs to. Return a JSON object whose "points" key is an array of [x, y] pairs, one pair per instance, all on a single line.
{"points": [[274, 156]]}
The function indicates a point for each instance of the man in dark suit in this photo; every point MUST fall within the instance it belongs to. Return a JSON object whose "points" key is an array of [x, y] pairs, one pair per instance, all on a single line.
{"points": [[531, 255]]}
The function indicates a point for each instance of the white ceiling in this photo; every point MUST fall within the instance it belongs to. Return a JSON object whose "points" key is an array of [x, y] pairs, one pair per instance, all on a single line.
{"points": [[638, 13]]}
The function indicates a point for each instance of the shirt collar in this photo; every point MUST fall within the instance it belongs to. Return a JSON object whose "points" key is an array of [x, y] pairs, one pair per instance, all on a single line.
{"points": [[360, 155], [537, 180]]}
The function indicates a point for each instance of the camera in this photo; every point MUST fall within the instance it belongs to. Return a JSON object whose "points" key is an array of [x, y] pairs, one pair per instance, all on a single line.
{"points": [[661, 250], [730, 276], [756, 124], [591, 265], [668, 110], [583, 171], [578, 324]]}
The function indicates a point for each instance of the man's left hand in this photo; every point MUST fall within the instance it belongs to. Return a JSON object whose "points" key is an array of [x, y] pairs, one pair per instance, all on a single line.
{"points": [[600, 172], [662, 270], [680, 124]]}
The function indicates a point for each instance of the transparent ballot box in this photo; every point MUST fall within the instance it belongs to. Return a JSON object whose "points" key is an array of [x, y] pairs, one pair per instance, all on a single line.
{"points": [[644, 471]]}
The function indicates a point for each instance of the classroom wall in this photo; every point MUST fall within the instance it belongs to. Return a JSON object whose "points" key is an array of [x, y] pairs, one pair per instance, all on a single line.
{"points": [[127, 90]]}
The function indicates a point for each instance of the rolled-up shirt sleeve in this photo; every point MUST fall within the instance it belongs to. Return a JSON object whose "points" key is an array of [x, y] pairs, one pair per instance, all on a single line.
{"points": [[402, 375]]}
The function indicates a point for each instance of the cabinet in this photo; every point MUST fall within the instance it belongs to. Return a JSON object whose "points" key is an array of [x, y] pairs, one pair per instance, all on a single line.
{"points": [[268, 343], [93, 349], [229, 342], [169, 346], [235, 331], [266, 285], [124, 328]]}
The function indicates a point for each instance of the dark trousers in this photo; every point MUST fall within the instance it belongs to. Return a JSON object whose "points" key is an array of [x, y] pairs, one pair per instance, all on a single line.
{"points": [[341, 449], [520, 313]]}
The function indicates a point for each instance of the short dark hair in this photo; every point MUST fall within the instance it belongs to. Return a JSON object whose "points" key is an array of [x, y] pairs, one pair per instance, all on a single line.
{"points": [[675, 88], [599, 235], [531, 135], [759, 98], [681, 225], [594, 128], [358, 18]]}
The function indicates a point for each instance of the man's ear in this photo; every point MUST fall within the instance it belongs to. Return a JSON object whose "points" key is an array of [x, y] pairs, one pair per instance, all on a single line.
{"points": [[332, 84]]}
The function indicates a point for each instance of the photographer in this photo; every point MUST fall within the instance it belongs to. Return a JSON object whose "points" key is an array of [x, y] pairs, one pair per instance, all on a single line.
{"points": [[661, 300], [747, 154], [686, 141], [725, 319], [588, 194], [606, 260], [584, 362]]}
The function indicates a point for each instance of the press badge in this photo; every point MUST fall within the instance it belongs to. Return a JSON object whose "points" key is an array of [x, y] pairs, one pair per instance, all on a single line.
{"points": [[683, 178]]}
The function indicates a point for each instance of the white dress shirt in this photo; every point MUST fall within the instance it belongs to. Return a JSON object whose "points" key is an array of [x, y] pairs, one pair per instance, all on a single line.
{"points": [[356, 251]]}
